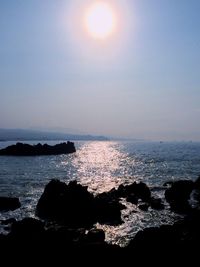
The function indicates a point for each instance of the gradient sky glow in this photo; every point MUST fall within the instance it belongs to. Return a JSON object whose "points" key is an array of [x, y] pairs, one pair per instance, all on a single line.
{"points": [[142, 82]]}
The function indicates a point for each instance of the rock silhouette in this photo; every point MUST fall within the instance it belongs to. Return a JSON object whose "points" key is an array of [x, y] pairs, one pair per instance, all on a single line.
{"points": [[21, 149], [9, 203], [75, 206], [68, 210], [71, 203], [179, 194]]}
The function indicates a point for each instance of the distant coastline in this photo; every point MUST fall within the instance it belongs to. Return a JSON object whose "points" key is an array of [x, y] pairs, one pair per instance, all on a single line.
{"points": [[33, 135]]}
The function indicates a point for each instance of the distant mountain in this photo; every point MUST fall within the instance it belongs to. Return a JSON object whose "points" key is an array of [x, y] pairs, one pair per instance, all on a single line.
{"points": [[25, 135]]}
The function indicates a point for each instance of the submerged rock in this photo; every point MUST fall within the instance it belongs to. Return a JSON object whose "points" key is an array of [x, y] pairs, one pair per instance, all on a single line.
{"points": [[21, 149]]}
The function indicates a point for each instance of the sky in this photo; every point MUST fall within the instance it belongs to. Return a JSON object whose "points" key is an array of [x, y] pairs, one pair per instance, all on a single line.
{"points": [[143, 81]]}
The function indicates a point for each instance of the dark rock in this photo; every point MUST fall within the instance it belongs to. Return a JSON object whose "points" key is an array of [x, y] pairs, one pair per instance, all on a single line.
{"points": [[21, 149], [96, 236], [140, 190], [76, 207], [154, 238], [143, 206], [195, 196], [27, 232], [184, 234], [9, 203], [28, 228], [107, 209], [156, 203], [6, 228], [64, 235], [132, 199], [110, 207], [197, 183], [179, 190], [132, 193], [29, 237], [182, 207], [70, 203], [179, 194], [51, 203]]}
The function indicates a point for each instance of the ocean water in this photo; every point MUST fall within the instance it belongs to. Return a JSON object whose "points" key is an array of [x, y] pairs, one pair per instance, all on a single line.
{"points": [[101, 166]]}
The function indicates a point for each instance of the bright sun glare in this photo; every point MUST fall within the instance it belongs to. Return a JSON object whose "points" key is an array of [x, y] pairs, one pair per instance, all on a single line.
{"points": [[100, 20]]}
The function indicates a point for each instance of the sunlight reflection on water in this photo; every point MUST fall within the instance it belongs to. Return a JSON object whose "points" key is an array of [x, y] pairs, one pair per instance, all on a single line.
{"points": [[104, 165], [100, 165]]}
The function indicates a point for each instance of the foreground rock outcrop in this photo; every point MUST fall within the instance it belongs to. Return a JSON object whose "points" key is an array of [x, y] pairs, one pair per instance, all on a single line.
{"points": [[75, 206], [178, 195], [69, 212], [21, 149]]}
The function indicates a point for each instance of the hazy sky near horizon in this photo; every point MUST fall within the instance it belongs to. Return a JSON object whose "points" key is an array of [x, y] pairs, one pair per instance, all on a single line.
{"points": [[143, 81]]}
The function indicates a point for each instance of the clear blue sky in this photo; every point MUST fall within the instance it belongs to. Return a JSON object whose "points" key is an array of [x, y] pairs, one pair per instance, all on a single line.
{"points": [[144, 83]]}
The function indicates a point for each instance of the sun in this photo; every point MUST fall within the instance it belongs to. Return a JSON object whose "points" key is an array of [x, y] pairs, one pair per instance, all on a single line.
{"points": [[100, 20]]}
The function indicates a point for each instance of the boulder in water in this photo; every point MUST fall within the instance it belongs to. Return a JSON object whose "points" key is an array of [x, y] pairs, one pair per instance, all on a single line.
{"points": [[21, 149]]}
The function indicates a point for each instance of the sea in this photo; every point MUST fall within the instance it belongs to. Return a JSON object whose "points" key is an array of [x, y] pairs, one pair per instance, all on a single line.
{"points": [[103, 165]]}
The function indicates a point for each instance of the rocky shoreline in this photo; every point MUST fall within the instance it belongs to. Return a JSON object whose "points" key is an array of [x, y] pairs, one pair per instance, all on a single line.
{"points": [[67, 214]]}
